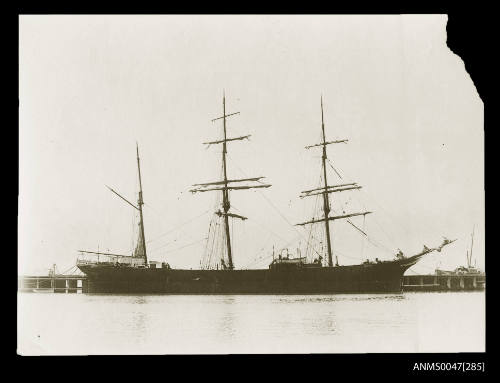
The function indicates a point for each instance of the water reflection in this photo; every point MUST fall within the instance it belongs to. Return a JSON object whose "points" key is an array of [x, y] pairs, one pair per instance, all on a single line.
{"points": [[228, 299], [140, 299], [139, 320], [339, 298], [322, 325], [226, 326]]}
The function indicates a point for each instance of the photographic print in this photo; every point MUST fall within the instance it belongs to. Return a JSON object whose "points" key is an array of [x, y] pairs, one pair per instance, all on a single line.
{"points": [[248, 184]]}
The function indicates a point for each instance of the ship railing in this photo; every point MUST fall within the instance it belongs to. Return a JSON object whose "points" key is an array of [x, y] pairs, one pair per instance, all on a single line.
{"points": [[109, 259]]}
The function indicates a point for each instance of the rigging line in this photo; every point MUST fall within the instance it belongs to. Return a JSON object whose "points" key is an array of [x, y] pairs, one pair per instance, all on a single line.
{"points": [[377, 222], [282, 216], [205, 251], [262, 250], [331, 164], [263, 227], [162, 246], [209, 244], [312, 227], [315, 210], [215, 242], [361, 231], [256, 261], [426, 267], [335, 170], [345, 256], [272, 205], [372, 240], [182, 247], [364, 240], [232, 236], [216, 248], [379, 245], [382, 208], [153, 209], [177, 227], [67, 270], [262, 256], [412, 271], [243, 249], [131, 247]]}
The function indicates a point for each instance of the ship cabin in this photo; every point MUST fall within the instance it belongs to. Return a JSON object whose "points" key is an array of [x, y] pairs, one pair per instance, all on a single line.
{"points": [[86, 258], [286, 263], [158, 265], [95, 258]]}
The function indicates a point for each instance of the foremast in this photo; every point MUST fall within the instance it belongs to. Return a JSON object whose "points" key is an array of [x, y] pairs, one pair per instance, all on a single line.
{"points": [[225, 193], [326, 190], [225, 183], [326, 202]]}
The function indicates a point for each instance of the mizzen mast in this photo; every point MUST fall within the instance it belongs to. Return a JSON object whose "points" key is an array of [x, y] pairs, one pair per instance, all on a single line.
{"points": [[140, 203], [141, 245], [226, 184], [326, 190]]}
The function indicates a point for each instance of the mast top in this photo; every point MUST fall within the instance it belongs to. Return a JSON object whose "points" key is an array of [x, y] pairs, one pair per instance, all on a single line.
{"points": [[322, 119]]}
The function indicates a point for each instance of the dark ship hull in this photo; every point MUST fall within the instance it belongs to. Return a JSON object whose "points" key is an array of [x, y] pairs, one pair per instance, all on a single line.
{"points": [[379, 277]]}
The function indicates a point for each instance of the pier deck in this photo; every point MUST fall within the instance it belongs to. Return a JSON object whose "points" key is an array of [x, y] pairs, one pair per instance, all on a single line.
{"points": [[55, 284], [466, 282]]}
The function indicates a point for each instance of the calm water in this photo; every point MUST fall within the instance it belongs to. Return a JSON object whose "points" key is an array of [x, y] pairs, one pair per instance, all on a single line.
{"points": [[173, 324]]}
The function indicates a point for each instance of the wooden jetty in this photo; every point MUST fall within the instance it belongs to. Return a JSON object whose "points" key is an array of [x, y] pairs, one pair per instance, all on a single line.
{"points": [[52, 283], [444, 282]]}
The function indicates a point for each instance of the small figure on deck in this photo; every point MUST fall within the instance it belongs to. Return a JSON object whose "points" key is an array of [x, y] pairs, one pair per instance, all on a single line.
{"points": [[425, 249], [400, 254]]}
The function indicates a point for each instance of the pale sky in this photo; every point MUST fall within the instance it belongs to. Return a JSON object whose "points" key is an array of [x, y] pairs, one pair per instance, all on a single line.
{"points": [[91, 86]]}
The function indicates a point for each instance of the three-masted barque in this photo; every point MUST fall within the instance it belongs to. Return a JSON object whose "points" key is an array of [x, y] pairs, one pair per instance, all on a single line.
{"points": [[113, 273]]}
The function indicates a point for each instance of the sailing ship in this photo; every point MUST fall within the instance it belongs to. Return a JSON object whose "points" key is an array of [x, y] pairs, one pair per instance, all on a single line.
{"points": [[115, 273]]}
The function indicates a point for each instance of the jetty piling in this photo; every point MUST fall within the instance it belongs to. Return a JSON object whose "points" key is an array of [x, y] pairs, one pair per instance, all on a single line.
{"points": [[53, 283]]}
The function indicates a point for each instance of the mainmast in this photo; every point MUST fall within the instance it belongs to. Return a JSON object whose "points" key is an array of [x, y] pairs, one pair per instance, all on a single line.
{"points": [[224, 185], [325, 190]]}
